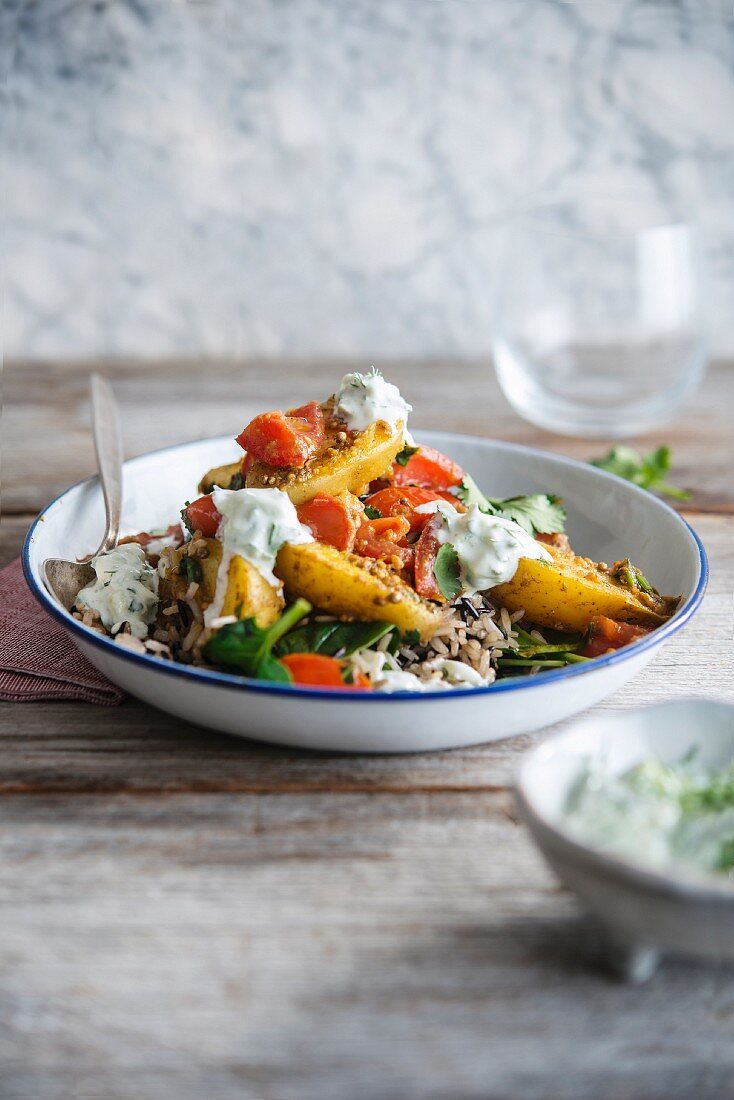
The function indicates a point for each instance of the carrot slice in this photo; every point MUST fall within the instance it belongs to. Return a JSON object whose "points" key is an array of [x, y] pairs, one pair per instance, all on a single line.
{"points": [[321, 671], [403, 501], [285, 439], [333, 519], [429, 468]]}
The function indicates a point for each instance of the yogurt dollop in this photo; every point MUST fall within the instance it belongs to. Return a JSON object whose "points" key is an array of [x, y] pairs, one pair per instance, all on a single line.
{"points": [[125, 591], [364, 398], [489, 548], [255, 524]]}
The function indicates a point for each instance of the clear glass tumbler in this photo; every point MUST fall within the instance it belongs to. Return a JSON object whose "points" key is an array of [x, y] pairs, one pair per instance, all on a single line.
{"points": [[598, 331]]}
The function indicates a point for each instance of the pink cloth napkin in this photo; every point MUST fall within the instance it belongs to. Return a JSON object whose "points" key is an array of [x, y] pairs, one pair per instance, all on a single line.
{"points": [[38, 660]]}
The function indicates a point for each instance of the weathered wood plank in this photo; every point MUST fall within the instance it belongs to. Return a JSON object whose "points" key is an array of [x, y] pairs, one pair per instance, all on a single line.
{"points": [[163, 403], [75, 747], [243, 948]]}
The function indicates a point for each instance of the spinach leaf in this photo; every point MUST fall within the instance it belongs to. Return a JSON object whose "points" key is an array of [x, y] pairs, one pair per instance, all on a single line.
{"points": [[447, 572], [371, 512], [334, 639], [248, 648]]}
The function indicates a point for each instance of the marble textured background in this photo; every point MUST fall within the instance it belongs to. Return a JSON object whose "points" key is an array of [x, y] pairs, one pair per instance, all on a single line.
{"points": [[308, 176]]}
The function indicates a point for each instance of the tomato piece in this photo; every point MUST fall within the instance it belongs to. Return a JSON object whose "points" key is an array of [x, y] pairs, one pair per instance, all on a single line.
{"points": [[333, 519], [429, 468], [426, 551], [321, 671], [385, 539], [285, 439], [403, 501], [606, 634], [174, 534], [202, 515], [245, 465]]}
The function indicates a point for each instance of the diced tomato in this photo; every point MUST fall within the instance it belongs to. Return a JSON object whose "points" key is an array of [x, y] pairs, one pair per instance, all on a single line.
{"points": [[333, 519], [606, 634], [429, 468], [203, 516], [403, 501], [426, 551], [321, 671], [385, 539], [285, 439]]}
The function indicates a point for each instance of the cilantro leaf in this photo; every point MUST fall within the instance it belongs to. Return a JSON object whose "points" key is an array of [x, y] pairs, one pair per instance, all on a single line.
{"points": [[539, 513], [648, 471], [411, 637], [371, 512], [247, 648], [447, 571], [403, 456]]}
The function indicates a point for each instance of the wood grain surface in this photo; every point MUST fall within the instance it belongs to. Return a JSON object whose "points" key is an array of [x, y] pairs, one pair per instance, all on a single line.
{"points": [[186, 915]]}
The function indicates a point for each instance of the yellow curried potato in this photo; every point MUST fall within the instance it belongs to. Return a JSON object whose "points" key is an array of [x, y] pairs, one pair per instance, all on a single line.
{"points": [[569, 591], [219, 477], [347, 468], [359, 588], [248, 593]]}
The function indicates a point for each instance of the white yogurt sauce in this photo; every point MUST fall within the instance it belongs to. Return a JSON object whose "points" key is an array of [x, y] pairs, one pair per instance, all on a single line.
{"points": [[255, 524], [489, 548], [661, 814], [125, 591], [364, 398]]}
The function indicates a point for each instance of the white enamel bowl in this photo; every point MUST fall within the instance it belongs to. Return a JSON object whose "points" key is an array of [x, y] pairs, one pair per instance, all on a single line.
{"points": [[647, 911], [607, 519]]}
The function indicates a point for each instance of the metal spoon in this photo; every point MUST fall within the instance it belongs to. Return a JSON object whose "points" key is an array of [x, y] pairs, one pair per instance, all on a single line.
{"points": [[64, 579]]}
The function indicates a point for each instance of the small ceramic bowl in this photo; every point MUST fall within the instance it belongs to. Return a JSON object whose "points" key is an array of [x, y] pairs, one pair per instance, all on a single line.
{"points": [[648, 912], [607, 519]]}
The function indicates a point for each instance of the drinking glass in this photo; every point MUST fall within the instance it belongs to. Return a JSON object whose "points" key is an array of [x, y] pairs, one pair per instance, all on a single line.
{"points": [[598, 328]]}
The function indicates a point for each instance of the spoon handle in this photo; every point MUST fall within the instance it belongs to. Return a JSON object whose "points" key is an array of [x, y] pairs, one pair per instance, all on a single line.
{"points": [[108, 445]]}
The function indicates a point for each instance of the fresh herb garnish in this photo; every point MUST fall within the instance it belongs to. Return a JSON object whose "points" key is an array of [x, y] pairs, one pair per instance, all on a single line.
{"points": [[190, 568], [403, 457], [412, 637], [539, 513], [334, 639], [627, 573], [371, 512], [725, 859], [648, 471], [248, 648], [447, 571]]}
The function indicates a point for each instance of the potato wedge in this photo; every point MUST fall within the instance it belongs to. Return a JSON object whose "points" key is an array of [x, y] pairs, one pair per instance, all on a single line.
{"points": [[219, 477], [358, 588], [347, 467], [567, 592], [247, 594]]}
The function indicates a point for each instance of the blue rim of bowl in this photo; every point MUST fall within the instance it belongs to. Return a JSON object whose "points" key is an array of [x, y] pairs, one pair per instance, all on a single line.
{"points": [[242, 683]]}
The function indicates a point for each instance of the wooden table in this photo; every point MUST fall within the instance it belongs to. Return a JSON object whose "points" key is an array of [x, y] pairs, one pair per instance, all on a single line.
{"points": [[191, 916]]}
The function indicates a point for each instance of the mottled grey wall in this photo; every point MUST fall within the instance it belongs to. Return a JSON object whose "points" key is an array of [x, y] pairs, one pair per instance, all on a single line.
{"points": [[299, 176]]}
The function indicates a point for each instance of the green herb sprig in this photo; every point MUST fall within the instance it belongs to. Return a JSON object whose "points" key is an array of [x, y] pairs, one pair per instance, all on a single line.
{"points": [[648, 471], [538, 513]]}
